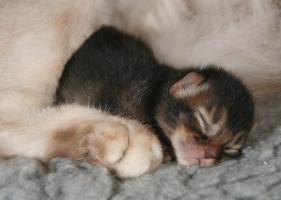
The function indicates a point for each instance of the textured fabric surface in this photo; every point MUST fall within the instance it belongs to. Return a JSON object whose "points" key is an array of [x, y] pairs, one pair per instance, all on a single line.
{"points": [[256, 175]]}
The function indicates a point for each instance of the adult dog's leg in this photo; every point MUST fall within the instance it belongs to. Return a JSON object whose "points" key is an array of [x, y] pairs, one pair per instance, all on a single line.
{"points": [[37, 38], [124, 146]]}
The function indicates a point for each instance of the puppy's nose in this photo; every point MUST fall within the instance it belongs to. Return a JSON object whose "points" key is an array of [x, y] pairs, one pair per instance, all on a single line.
{"points": [[212, 151]]}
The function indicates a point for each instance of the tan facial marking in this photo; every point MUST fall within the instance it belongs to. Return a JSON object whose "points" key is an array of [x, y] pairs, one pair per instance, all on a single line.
{"points": [[206, 120], [164, 126], [199, 99], [224, 137]]}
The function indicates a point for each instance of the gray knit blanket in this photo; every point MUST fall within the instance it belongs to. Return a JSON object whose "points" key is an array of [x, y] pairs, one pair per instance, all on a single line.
{"points": [[256, 175]]}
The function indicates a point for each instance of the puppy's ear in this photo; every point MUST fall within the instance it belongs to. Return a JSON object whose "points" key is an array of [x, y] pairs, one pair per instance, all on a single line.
{"points": [[190, 85]]}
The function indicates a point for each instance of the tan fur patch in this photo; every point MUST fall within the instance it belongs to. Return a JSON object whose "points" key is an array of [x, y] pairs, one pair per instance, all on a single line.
{"points": [[164, 125], [102, 143], [197, 100], [208, 124], [222, 138], [69, 143]]}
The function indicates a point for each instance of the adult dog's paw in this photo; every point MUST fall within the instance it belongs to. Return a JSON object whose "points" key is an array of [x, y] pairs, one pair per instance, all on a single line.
{"points": [[107, 143], [125, 147], [144, 152]]}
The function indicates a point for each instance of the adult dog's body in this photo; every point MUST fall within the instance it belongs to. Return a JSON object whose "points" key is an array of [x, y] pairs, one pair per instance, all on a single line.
{"points": [[38, 37]]}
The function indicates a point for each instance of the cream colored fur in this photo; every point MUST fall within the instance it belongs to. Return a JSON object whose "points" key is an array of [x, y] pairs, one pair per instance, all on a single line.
{"points": [[243, 36], [122, 145], [37, 38]]}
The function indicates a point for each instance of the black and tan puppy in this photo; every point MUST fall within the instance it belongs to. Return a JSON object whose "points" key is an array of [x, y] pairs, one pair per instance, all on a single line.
{"points": [[205, 113]]}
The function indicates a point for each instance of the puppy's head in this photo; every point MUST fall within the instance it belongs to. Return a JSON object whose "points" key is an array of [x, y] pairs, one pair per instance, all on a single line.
{"points": [[207, 114]]}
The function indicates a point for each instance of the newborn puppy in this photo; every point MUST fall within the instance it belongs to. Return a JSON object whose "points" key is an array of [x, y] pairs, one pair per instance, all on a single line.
{"points": [[205, 113]]}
